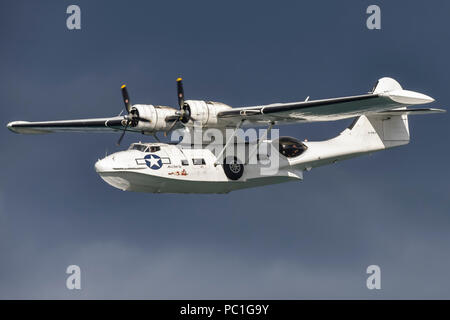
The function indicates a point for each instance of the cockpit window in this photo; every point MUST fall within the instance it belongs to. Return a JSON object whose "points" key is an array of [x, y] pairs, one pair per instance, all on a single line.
{"points": [[290, 147], [140, 147]]}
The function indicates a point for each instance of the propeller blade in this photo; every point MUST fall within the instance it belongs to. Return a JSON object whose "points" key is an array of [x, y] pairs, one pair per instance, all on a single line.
{"points": [[180, 92], [173, 125], [123, 133], [126, 98], [174, 117]]}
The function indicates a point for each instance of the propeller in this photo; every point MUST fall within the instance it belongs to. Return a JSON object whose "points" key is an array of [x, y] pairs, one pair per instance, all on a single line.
{"points": [[123, 133], [184, 114], [133, 115]]}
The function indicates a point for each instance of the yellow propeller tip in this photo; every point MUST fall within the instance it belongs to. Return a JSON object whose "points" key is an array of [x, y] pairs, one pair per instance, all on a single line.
{"points": [[123, 86], [179, 79]]}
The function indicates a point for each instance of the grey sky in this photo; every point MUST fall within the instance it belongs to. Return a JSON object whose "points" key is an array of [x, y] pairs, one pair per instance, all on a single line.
{"points": [[312, 239]]}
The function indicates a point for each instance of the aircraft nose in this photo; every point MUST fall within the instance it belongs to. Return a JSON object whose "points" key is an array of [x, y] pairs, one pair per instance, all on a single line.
{"points": [[103, 165]]}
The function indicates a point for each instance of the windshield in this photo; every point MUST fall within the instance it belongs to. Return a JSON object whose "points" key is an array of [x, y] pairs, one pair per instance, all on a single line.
{"points": [[139, 147]]}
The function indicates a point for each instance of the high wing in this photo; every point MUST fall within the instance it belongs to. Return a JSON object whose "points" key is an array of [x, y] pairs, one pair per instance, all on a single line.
{"points": [[387, 98], [387, 95]]}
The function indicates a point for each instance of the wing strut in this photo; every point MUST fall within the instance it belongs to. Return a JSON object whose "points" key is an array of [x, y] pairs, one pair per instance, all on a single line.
{"points": [[261, 139], [231, 138]]}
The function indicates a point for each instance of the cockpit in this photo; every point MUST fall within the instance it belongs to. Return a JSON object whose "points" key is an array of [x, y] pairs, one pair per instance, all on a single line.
{"points": [[290, 147], [138, 146], [144, 147]]}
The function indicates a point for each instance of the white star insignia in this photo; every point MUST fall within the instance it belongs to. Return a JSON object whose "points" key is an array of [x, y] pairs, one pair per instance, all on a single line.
{"points": [[153, 161]]}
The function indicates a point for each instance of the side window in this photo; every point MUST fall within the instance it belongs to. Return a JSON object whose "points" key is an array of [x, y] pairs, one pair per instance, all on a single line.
{"points": [[184, 162], [155, 148], [198, 161]]}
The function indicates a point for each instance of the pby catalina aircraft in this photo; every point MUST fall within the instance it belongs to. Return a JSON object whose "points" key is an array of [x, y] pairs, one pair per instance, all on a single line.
{"points": [[381, 122]]}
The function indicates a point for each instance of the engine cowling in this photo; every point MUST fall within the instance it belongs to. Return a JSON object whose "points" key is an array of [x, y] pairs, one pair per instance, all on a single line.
{"points": [[205, 112], [154, 117]]}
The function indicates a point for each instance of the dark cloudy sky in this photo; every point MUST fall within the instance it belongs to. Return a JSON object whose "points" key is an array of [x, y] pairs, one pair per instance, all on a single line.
{"points": [[310, 239]]}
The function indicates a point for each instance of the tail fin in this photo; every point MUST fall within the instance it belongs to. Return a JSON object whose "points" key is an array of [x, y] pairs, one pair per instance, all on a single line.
{"points": [[388, 128], [372, 131], [367, 134], [381, 131]]}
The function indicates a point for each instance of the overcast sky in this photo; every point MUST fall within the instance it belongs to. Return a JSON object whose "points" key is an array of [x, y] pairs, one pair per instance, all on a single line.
{"points": [[310, 239]]}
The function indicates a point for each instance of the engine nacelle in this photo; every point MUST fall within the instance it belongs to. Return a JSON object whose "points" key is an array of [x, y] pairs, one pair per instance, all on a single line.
{"points": [[155, 116], [205, 112]]}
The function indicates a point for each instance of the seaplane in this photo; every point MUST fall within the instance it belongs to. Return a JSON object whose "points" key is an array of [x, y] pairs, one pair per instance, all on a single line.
{"points": [[202, 158]]}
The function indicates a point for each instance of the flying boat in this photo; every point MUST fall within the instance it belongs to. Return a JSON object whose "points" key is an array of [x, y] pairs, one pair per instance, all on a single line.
{"points": [[202, 158]]}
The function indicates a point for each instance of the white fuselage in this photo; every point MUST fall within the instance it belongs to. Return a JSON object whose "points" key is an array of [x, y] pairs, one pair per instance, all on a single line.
{"points": [[168, 168], [176, 169]]}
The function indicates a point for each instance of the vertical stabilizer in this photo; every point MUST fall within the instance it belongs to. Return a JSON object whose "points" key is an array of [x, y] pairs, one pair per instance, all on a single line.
{"points": [[390, 130]]}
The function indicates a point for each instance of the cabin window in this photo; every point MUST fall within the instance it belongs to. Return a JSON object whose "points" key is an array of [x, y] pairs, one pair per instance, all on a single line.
{"points": [[155, 148], [184, 162], [198, 161]]}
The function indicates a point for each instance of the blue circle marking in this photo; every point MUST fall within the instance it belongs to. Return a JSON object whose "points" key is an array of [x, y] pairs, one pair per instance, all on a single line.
{"points": [[153, 161]]}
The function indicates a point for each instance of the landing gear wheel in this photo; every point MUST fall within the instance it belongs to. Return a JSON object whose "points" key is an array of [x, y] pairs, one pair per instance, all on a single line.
{"points": [[233, 168]]}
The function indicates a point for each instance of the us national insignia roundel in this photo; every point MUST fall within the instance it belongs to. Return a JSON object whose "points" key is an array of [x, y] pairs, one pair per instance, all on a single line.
{"points": [[153, 161]]}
